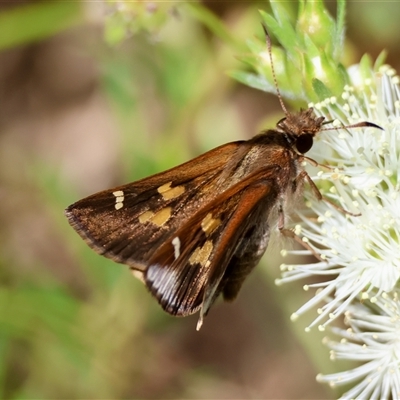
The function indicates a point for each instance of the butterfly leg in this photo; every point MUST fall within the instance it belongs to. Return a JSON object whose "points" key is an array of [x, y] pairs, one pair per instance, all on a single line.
{"points": [[290, 234], [317, 164], [303, 175]]}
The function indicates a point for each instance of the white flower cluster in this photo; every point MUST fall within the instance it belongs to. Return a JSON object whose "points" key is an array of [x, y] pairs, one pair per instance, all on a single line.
{"points": [[360, 253], [372, 339]]}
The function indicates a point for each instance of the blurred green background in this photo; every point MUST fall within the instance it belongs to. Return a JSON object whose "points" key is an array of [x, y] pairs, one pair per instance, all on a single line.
{"points": [[93, 96]]}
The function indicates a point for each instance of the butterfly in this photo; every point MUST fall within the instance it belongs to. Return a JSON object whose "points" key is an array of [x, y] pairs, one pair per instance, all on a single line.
{"points": [[195, 232]]}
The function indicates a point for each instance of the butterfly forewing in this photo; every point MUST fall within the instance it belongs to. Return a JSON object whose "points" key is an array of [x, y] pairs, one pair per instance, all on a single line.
{"points": [[128, 223]]}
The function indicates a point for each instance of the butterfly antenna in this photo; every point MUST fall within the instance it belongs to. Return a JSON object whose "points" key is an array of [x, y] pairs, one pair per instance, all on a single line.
{"points": [[363, 124], [273, 70]]}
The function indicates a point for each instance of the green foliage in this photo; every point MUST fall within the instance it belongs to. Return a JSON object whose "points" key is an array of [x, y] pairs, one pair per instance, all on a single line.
{"points": [[307, 63], [33, 22]]}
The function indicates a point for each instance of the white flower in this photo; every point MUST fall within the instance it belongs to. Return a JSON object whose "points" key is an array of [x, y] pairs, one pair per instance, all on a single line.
{"points": [[361, 252], [374, 340]]}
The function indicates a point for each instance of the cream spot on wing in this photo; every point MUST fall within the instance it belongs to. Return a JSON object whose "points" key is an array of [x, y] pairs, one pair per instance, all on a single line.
{"points": [[162, 216], [201, 254], [177, 247], [159, 218], [164, 188], [209, 224], [145, 216], [119, 199], [169, 193]]}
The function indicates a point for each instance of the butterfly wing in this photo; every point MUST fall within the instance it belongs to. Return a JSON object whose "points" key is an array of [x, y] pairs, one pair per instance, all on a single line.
{"points": [[127, 223]]}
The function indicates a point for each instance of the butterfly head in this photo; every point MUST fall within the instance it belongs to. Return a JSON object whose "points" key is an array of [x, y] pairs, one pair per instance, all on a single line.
{"points": [[300, 128]]}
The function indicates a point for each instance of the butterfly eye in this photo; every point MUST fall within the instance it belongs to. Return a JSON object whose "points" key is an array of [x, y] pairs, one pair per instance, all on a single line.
{"points": [[304, 143]]}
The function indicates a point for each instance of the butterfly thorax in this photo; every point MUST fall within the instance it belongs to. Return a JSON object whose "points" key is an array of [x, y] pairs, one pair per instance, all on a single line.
{"points": [[281, 147]]}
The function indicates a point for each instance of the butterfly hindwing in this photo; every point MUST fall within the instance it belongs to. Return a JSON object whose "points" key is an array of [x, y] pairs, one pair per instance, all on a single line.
{"points": [[187, 270]]}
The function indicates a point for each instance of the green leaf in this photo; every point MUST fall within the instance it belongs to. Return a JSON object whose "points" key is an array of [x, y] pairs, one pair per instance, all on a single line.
{"points": [[259, 82], [340, 21], [29, 23], [380, 60], [285, 33], [365, 66], [284, 13], [320, 89], [252, 80], [316, 21]]}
